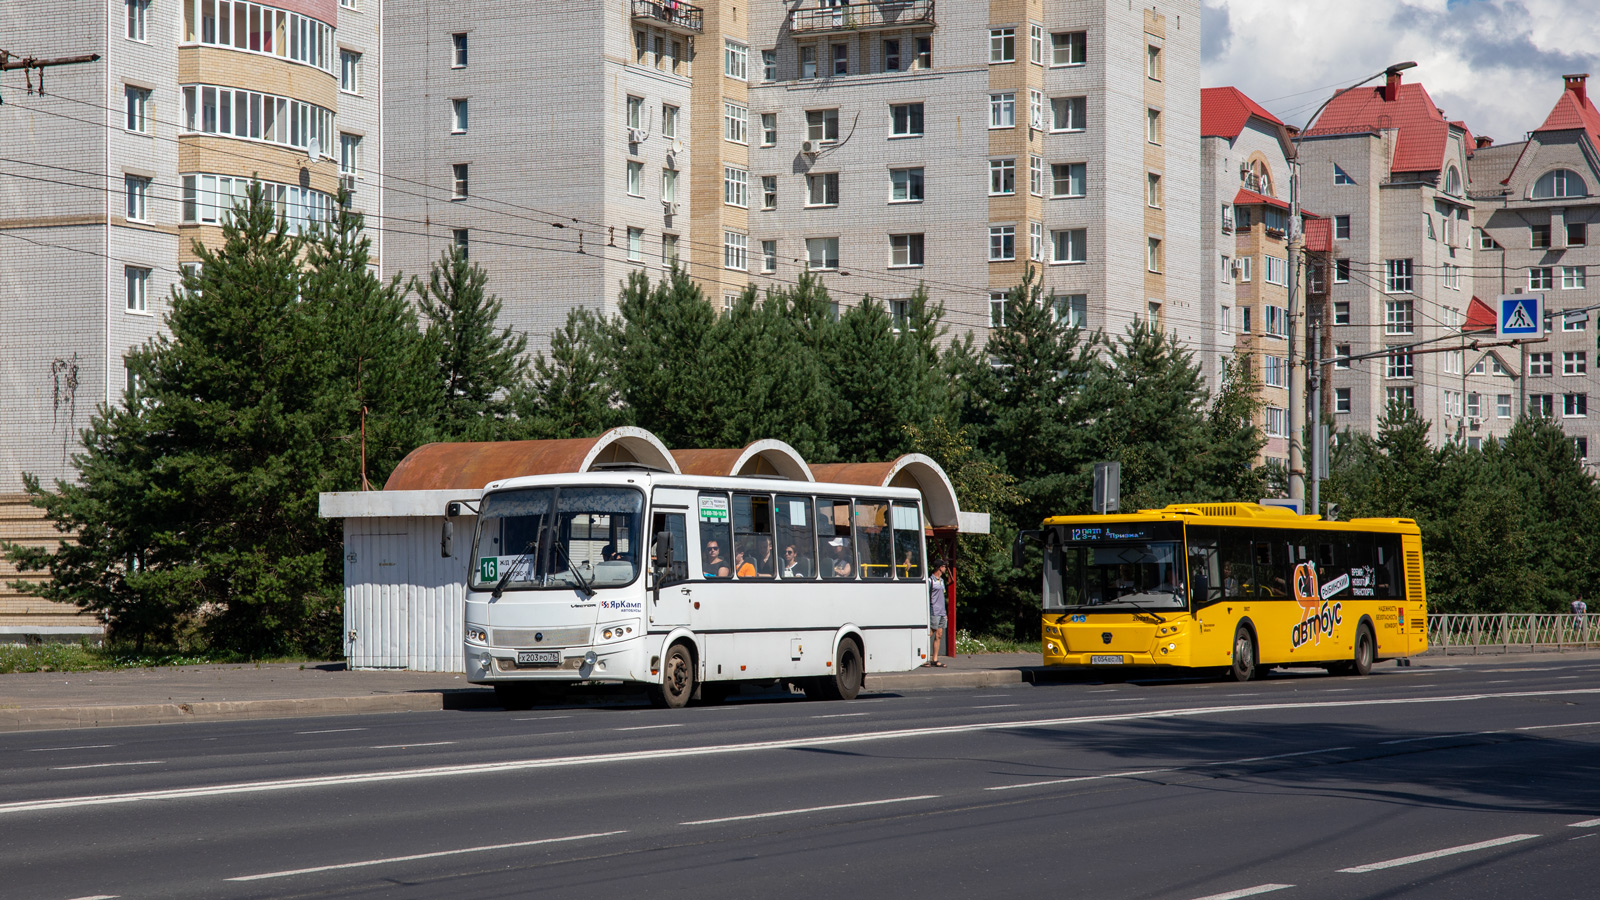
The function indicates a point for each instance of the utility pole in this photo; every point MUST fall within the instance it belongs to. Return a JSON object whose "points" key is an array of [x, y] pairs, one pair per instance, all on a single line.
{"points": [[9, 61]]}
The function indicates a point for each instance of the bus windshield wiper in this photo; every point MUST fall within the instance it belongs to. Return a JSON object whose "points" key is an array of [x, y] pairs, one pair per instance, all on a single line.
{"points": [[500, 586], [582, 582]]}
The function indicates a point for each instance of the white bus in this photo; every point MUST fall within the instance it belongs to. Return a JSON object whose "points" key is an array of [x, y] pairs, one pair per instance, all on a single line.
{"points": [[735, 579]]}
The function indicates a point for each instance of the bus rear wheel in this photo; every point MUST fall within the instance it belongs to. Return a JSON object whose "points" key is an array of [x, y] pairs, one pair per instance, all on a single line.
{"points": [[845, 682], [1244, 656], [1366, 652], [677, 680]]}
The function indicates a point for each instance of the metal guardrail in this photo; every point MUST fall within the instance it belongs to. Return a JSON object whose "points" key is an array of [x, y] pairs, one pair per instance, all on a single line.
{"points": [[1482, 633], [670, 12], [869, 14]]}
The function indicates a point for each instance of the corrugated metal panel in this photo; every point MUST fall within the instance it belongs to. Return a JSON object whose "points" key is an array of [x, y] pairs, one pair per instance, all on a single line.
{"points": [[403, 601]]}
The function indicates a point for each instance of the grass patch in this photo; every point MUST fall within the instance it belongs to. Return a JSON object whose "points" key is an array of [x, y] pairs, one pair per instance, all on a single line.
{"points": [[967, 643], [87, 657]]}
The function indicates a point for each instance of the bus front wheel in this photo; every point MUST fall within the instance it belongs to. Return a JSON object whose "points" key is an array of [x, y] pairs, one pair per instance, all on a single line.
{"points": [[677, 680], [1244, 655]]}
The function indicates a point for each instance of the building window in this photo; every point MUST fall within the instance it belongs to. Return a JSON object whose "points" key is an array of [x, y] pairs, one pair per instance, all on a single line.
{"points": [[1475, 406], [735, 186], [1003, 110], [1036, 44], [138, 11], [1070, 245], [1452, 403], [1574, 362], [1542, 405], [1341, 271], [1244, 319], [1583, 448], [669, 249], [1274, 371], [635, 245], [459, 237], [1341, 400], [350, 154], [138, 192], [924, 52], [635, 178], [1068, 48], [1071, 308], [1452, 277], [822, 189], [1341, 356], [1152, 190], [1573, 277], [1277, 270], [1067, 179], [1540, 278], [1225, 319], [769, 192], [891, 55], [1574, 322], [138, 285], [905, 185], [1002, 243], [1454, 361], [138, 108], [1539, 237], [1152, 62], [1577, 234], [997, 309], [1152, 126], [1401, 396], [906, 119], [822, 125], [1068, 113], [1397, 277], [734, 249], [669, 187], [905, 250], [769, 66], [1036, 110], [1277, 422], [1341, 228], [1559, 183], [669, 121], [349, 71], [822, 253], [1502, 406], [1277, 321], [769, 129], [808, 62], [1002, 177], [841, 59], [1002, 45], [1225, 268], [769, 256], [1398, 317], [458, 50], [1340, 176], [735, 118], [1152, 256], [458, 116], [735, 60], [1398, 364], [1541, 364]]}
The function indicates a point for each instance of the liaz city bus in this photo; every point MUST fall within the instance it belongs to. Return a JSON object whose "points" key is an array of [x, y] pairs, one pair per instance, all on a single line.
{"points": [[684, 583], [1233, 586]]}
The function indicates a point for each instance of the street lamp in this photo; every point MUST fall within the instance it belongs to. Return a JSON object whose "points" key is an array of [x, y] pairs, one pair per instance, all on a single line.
{"points": [[1304, 406]]}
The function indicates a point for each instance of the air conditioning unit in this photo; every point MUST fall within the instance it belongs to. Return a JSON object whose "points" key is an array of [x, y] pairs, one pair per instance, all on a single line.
{"points": [[1236, 268], [635, 135], [810, 148], [1473, 422], [348, 182], [669, 207]]}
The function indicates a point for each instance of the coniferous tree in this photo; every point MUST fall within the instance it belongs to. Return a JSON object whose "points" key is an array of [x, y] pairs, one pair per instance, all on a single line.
{"points": [[1226, 468], [1150, 416], [480, 365], [658, 345], [570, 393]]}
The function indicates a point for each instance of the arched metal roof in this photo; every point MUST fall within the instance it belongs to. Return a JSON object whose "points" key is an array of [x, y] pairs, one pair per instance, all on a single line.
{"points": [[771, 458], [913, 470], [471, 465]]}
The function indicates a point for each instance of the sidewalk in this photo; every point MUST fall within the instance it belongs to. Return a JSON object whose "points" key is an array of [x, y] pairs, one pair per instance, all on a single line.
{"points": [[39, 701]]}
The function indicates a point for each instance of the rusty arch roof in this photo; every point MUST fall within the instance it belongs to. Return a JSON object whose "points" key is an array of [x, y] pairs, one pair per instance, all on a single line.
{"points": [[471, 465], [771, 458], [913, 470]]}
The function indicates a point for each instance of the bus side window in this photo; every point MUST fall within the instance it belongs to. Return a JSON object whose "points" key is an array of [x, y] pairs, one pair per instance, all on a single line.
{"points": [[1238, 579], [1270, 577], [1390, 584], [874, 539], [716, 537], [797, 539], [752, 536], [1205, 564], [835, 550], [908, 541], [672, 524]]}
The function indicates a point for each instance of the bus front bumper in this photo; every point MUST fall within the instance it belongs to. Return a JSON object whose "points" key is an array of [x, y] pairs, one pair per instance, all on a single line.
{"points": [[616, 661], [1055, 655]]}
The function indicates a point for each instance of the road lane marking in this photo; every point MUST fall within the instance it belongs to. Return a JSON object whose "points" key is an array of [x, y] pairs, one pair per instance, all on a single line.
{"points": [[330, 731], [1335, 691], [1435, 737], [1586, 823], [79, 747], [1544, 727], [648, 727], [996, 706], [1230, 762], [810, 809], [1435, 854], [540, 718], [147, 762], [415, 856], [1246, 892], [839, 715], [520, 765], [99, 897], [1012, 787], [407, 746], [1103, 691]]}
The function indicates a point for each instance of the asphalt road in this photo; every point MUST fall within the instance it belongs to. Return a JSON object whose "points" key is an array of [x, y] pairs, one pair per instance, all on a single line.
{"points": [[1420, 783]]}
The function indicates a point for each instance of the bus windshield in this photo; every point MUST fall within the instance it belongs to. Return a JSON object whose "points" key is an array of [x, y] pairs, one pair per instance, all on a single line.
{"points": [[558, 538], [1123, 566]]}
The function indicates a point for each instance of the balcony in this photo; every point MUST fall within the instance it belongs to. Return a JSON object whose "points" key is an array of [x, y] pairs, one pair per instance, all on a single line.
{"points": [[671, 14], [863, 16]]}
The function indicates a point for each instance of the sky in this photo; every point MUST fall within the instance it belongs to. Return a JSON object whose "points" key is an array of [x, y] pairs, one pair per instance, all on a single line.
{"points": [[1497, 64]]}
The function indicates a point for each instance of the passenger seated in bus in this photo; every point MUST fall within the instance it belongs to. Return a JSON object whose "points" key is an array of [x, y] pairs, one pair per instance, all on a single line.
{"points": [[763, 557], [715, 565], [1230, 582], [742, 566], [842, 567], [795, 565]]}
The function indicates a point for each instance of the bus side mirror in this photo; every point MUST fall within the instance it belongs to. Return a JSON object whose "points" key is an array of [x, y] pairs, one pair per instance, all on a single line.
{"points": [[445, 536], [661, 557], [1019, 550]]}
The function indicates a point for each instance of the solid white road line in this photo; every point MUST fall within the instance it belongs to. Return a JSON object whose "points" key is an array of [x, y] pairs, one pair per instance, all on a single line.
{"points": [[408, 746], [521, 765], [1586, 823], [540, 718], [840, 716], [79, 747], [1246, 892], [1012, 787], [330, 731], [997, 706], [147, 762], [1545, 727], [416, 856], [810, 809], [99, 897], [1230, 762], [1448, 851], [649, 727]]}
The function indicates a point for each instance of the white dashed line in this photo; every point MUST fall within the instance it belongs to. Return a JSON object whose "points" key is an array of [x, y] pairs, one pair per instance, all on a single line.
{"points": [[996, 706], [540, 718], [811, 809], [1545, 727], [649, 727], [397, 859], [1435, 854], [99, 897], [1012, 787], [409, 746], [839, 716], [1586, 823], [330, 731], [147, 762], [81, 747], [1246, 892]]}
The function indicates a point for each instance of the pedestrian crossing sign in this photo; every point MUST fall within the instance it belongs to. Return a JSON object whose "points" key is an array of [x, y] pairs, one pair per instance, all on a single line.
{"points": [[1521, 315]]}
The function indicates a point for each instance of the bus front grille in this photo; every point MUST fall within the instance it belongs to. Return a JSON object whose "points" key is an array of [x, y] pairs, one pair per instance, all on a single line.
{"points": [[541, 637]]}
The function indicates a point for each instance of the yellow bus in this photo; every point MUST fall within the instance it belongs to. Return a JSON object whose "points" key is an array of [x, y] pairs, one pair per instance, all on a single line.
{"points": [[1235, 586]]}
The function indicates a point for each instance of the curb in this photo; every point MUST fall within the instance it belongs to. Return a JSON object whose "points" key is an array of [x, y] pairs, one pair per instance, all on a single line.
{"points": [[49, 718]]}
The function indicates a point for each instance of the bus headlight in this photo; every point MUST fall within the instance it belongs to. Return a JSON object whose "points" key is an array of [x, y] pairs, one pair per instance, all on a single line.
{"points": [[477, 635], [589, 658]]}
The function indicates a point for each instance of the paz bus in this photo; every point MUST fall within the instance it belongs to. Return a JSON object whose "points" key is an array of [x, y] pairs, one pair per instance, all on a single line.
{"points": [[1233, 586], [681, 583]]}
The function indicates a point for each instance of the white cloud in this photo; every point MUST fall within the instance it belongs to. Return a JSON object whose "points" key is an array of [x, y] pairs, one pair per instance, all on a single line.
{"points": [[1497, 64]]}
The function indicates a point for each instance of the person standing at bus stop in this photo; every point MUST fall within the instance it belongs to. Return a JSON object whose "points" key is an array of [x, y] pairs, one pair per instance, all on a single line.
{"points": [[1580, 618], [936, 614]]}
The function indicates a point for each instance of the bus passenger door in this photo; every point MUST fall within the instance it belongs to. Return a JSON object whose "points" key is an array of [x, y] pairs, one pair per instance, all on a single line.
{"points": [[671, 592]]}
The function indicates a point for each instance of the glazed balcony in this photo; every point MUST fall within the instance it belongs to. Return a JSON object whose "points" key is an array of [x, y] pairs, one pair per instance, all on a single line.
{"points": [[863, 16], [671, 15]]}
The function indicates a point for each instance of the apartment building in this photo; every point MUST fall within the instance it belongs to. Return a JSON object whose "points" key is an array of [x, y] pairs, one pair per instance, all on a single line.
{"points": [[1535, 208], [1389, 171], [882, 144]]}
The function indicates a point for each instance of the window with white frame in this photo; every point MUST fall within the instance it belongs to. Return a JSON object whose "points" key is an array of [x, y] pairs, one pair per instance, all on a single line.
{"points": [[1559, 183], [636, 245], [1152, 62], [1036, 109], [1152, 256], [262, 117], [1341, 400], [1341, 356], [137, 190], [1574, 406], [1582, 444], [1452, 402], [1036, 241], [1398, 317], [905, 185], [1152, 190], [1397, 276], [1502, 406], [350, 155], [1068, 48], [769, 192], [822, 125], [735, 186], [138, 13], [822, 253], [905, 120], [1575, 322], [1003, 110], [1277, 270], [458, 50], [1244, 319], [735, 60], [1340, 176], [769, 256], [1541, 364], [769, 66], [137, 102], [1002, 177], [769, 129], [1574, 278], [669, 186], [349, 71], [735, 121], [808, 62], [900, 314], [1542, 405], [1452, 277], [1002, 243], [1036, 44], [1475, 405], [137, 279], [1277, 422], [905, 250], [635, 178], [1225, 268], [669, 249], [1401, 396], [891, 55], [1069, 245], [1068, 113], [1036, 175], [458, 116], [1002, 45], [1398, 364], [735, 250], [1341, 271], [1341, 228], [822, 189], [1073, 308], [210, 199], [1274, 371], [1225, 319], [997, 309], [841, 59], [1427, 227], [669, 121], [1152, 126], [1454, 361], [1541, 278], [1574, 362], [249, 27], [1275, 321], [1068, 179]]}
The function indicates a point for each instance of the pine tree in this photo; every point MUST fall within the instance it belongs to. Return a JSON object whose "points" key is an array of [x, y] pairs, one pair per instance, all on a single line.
{"points": [[480, 365], [1150, 416], [570, 393], [1226, 467], [658, 345]]}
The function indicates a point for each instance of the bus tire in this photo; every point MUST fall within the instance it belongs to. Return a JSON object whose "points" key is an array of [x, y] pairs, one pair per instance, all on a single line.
{"points": [[677, 680], [516, 697], [1366, 652], [1244, 655], [848, 673]]}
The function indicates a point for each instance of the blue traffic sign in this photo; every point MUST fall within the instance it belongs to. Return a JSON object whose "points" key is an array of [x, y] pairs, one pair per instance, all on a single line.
{"points": [[1521, 315]]}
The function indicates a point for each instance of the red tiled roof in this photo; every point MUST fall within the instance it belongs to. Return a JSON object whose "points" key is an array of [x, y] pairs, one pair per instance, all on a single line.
{"points": [[1246, 196], [1224, 111], [1319, 235], [1423, 131], [1480, 318], [1573, 111]]}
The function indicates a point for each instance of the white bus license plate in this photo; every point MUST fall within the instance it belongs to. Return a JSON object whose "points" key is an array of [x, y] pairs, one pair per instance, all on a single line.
{"points": [[538, 657], [1093, 660]]}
